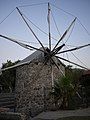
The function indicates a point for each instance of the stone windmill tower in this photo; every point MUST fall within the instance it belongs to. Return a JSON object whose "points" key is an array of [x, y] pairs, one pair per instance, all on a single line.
{"points": [[35, 74]]}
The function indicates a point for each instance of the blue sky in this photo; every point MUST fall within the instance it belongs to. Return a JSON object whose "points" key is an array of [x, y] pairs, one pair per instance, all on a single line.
{"points": [[14, 27]]}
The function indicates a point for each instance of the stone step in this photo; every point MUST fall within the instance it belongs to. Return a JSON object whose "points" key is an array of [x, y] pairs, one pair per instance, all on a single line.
{"points": [[5, 95], [7, 103], [7, 100]]}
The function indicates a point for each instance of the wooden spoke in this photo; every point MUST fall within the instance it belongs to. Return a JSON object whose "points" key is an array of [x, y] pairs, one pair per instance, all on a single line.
{"points": [[71, 62], [64, 34], [57, 49], [57, 66], [20, 43], [48, 18], [76, 48], [30, 28]]}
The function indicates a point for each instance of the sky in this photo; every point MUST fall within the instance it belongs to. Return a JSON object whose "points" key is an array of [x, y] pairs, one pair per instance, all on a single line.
{"points": [[14, 27]]}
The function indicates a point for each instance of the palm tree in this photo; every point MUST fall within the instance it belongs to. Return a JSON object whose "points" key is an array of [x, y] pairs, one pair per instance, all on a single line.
{"points": [[63, 91]]}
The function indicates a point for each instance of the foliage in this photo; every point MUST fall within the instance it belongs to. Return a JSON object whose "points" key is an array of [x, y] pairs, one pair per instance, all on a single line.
{"points": [[66, 88], [7, 78], [74, 73], [63, 91]]}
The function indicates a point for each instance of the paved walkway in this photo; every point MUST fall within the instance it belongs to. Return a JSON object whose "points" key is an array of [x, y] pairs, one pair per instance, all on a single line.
{"points": [[54, 115]]}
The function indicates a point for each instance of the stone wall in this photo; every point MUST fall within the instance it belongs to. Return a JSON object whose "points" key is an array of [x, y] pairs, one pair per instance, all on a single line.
{"points": [[33, 86]]}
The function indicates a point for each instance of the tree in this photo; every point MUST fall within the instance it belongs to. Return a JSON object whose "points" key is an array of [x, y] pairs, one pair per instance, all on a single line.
{"points": [[7, 78]]}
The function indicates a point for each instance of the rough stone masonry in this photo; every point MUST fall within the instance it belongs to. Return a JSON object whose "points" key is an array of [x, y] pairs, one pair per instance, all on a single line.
{"points": [[33, 86]]}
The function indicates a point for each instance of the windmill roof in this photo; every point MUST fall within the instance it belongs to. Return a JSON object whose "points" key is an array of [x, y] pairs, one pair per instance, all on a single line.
{"points": [[37, 55]]}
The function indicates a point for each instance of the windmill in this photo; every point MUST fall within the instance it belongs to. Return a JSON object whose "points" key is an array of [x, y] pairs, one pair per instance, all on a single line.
{"points": [[50, 53]]}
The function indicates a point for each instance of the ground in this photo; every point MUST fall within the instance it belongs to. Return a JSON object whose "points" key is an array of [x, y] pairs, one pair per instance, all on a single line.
{"points": [[81, 114]]}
